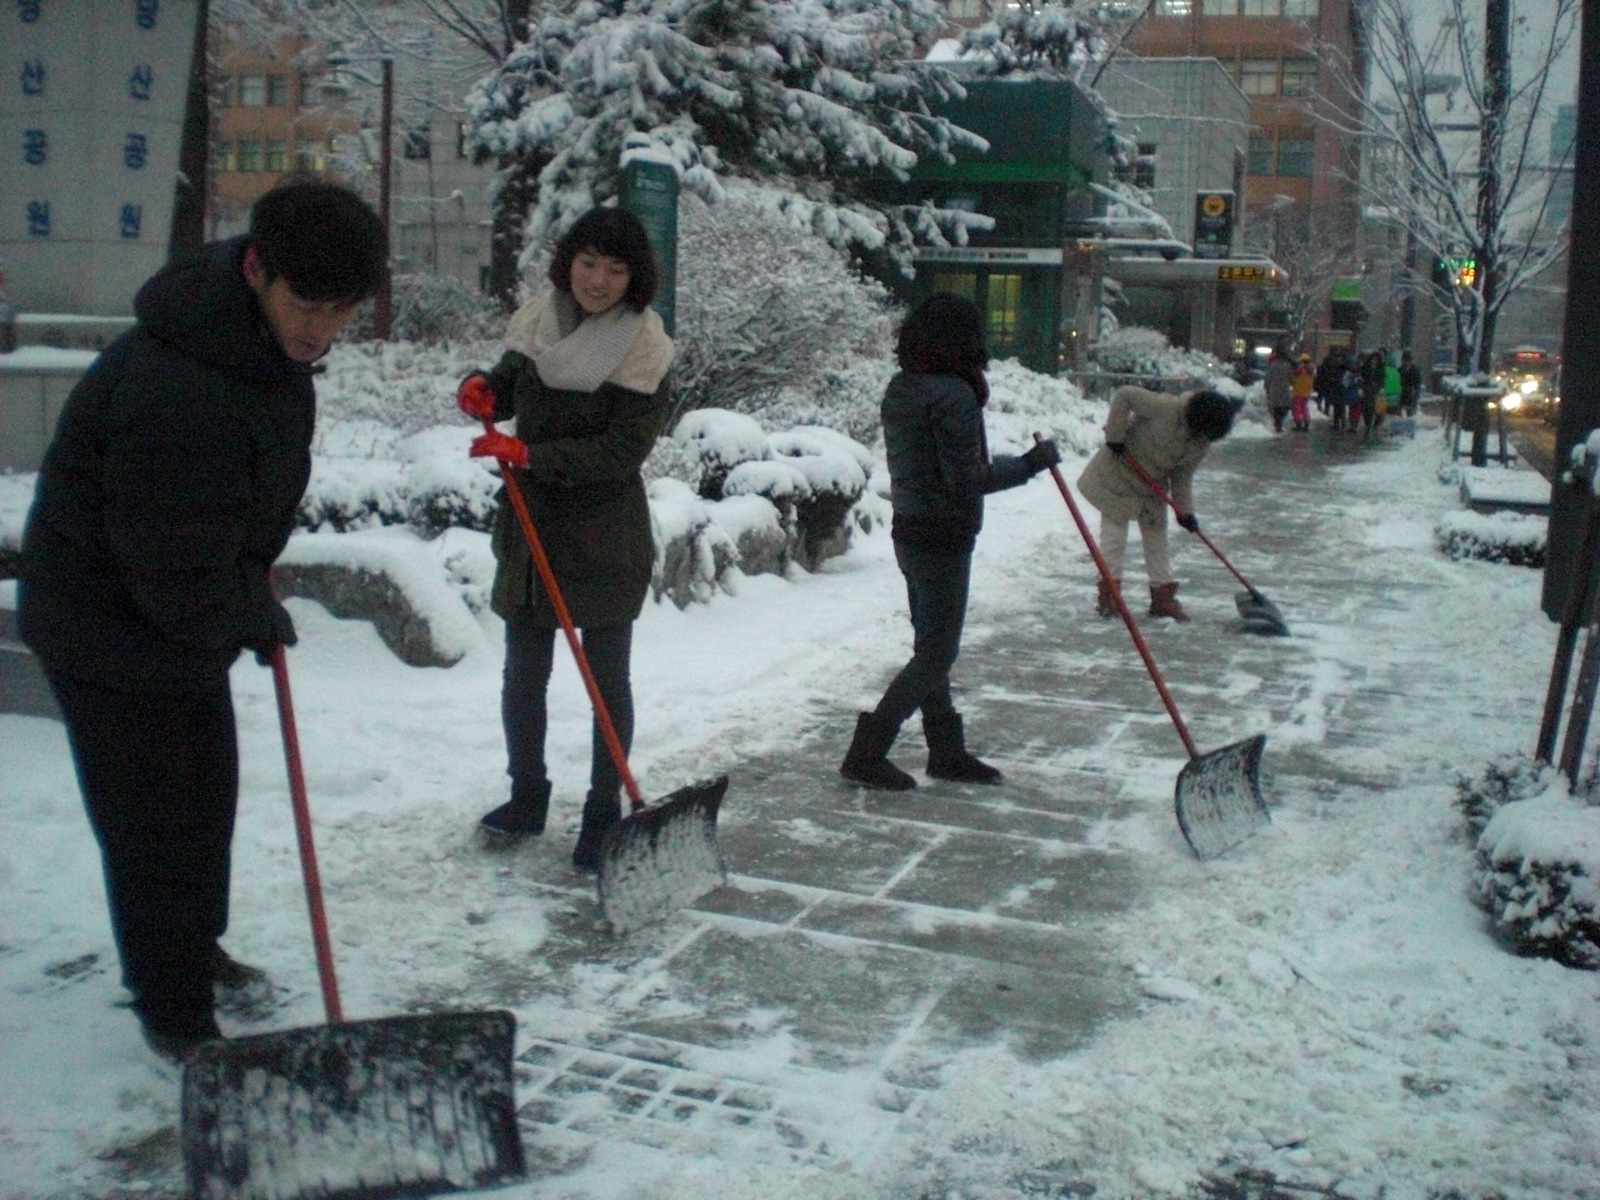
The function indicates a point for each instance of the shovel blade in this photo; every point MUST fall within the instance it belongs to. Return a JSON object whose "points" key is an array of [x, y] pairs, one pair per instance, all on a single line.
{"points": [[401, 1106], [663, 857], [1260, 613], [1219, 799]]}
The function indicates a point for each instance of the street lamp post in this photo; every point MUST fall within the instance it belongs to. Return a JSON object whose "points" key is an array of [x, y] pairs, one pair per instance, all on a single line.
{"points": [[383, 314]]}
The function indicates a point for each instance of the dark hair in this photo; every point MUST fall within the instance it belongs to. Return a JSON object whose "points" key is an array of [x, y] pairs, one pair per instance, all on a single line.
{"points": [[321, 238], [1209, 415], [615, 233], [943, 335]]}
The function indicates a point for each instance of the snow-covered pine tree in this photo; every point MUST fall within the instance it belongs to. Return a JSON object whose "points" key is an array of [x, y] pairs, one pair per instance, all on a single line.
{"points": [[814, 99]]}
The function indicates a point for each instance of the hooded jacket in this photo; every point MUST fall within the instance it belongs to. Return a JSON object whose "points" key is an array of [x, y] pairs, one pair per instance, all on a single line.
{"points": [[169, 489], [939, 465]]}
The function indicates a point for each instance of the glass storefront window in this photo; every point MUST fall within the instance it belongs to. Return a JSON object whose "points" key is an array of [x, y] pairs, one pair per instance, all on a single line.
{"points": [[1004, 303]]}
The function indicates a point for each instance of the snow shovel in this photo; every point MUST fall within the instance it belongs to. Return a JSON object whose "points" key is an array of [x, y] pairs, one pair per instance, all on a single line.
{"points": [[360, 1110], [659, 857], [1254, 608], [1218, 796]]}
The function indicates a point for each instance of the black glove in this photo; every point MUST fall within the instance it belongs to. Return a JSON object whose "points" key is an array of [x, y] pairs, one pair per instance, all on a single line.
{"points": [[1041, 456], [1190, 522], [1117, 448], [268, 624]]}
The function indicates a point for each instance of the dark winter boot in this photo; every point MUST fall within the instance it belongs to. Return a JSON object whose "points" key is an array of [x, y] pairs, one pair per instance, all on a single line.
{"points": [[1164, 602], [1105, 603], [867, 761], [601, 810], [947, 752], [521, 816]]}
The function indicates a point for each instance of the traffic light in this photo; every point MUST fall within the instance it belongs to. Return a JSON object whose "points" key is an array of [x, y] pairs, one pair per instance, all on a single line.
{"points": [[1455, 272]]}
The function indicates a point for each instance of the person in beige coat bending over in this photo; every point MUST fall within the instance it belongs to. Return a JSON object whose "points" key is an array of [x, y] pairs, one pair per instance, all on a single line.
{"points": [[1167, 436]]}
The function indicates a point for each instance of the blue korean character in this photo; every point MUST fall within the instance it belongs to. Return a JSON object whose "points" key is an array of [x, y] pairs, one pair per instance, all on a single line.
{"points": [[141, 81], [33, 77], [38, 218], [29, 10], [35, 147], [145, 13], [135, 151], [132, 218]]}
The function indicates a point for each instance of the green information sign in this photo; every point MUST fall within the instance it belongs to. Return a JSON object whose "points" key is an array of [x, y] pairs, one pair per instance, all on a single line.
{"points": [[650, 192]]}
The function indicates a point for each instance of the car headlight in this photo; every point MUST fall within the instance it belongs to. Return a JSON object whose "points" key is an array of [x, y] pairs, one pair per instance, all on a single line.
{"points": [[1511, 401], [1528, 387]]}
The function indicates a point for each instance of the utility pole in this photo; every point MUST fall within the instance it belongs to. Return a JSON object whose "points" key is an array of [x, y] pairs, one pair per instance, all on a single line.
{"points": [[1491, 136]]}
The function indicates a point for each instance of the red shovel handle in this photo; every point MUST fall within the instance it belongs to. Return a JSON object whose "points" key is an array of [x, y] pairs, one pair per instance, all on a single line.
{"points": [[1137, 468], [1122, 607], [553, 590], [302, 830]]}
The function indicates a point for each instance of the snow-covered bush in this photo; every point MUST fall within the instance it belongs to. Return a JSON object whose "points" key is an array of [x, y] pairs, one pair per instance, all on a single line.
{"points": [[1135, 350], [693, 553], [1505, 779], [1505, 537], [763, 308], [425, 481], [433, 308], [1538, 876]]}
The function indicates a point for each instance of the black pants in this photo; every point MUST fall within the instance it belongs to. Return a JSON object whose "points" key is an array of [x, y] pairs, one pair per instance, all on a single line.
{"points": [[160, 780], [936, 586], [530, 657]]}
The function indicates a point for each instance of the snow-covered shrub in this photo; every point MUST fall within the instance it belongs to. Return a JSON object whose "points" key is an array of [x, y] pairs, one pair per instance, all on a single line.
{"points": [[692, 552], [716, 440], [835, 479], [845, 397], [1504, 537], [1134, 350], [399, 388], [1538, 876], [762, 308], [433, 308], [1507, 778], [428, 483]]}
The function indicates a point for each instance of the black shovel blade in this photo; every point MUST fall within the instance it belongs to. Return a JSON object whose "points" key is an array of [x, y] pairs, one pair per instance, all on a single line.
{"points": [[1260, 614], [364, 1110], [662, 857], [1219, 799]]}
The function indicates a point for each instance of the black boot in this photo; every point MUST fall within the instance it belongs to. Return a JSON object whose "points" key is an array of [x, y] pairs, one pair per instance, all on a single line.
{"points": [[601, 810], [867, 762], [523, 815], [947, 752]]}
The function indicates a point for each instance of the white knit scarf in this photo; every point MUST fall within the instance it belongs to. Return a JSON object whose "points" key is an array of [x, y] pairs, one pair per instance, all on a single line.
{"points": [[572, 351]]}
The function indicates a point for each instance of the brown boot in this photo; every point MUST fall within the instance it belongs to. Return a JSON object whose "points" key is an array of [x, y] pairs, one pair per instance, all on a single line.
{"points": [[1105, 603], [1164, 602]]}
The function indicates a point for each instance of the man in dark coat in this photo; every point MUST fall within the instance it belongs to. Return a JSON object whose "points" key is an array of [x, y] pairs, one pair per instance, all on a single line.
{"points": [[169, 489]]}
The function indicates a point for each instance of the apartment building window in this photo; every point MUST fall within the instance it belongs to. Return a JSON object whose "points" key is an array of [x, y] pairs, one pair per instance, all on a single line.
{"points": [[306, 90], [964, 10], [222, 156], [224, 91], [1219, 8], [249, 156], [277, 91], [1295, 156], [1302, 8], [252, 91], [310, 155], [1259, 77], [1262, 160], [1299, 76], [1261, 8], [1174, 8], [277, 157]]}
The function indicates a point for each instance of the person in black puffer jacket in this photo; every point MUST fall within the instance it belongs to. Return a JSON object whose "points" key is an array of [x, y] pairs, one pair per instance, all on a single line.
{"points": [[167, 492], [939, 473]]}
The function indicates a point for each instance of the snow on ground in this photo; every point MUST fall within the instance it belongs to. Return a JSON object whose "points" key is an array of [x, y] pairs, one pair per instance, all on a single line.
{"points": [[1337, 998]]}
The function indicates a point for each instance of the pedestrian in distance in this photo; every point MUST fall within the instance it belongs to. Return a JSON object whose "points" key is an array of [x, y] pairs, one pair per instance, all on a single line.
{"points": [[1410, 384], [1300, 388], [1326, 384], [168, 491], [1372, 371], [1279, 387], [939, 472], [1350, 389], [1391, 389], [1168, 436], [585, 376]]}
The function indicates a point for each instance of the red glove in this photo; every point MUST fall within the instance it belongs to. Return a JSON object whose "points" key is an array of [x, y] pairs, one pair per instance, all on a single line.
{"points": [[475, 398], [502, 446]]}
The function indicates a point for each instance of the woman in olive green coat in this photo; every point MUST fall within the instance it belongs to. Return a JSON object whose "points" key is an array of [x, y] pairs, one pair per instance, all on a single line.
{"points": [[585, 376]]}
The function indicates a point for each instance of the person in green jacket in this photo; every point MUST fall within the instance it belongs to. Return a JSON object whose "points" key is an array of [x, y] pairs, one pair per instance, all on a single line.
{"points": [[585, 375]]}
